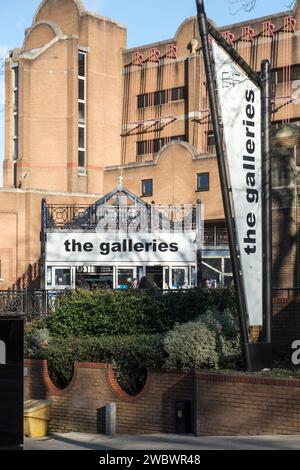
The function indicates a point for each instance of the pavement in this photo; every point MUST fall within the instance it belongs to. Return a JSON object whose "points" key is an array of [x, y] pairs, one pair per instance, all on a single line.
{"points": [[80, 441]]}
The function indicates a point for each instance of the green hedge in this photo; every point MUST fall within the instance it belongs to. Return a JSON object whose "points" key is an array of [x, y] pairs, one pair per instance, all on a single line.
{"points": [[130, 356], [104, 312], [211, 341]]}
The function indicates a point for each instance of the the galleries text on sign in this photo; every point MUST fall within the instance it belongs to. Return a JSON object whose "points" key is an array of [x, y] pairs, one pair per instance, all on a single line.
{"points": [[240, 103], [125, 247]]}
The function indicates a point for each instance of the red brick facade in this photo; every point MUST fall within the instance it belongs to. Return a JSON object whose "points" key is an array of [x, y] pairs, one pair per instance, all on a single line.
{"points": [[81, 407], [230, 405], [221, 404]]}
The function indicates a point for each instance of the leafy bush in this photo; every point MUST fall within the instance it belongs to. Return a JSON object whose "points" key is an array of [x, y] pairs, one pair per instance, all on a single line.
{"points": [[225, 327], [210, 342], [190, 346], [37, 343], [104, 312]]}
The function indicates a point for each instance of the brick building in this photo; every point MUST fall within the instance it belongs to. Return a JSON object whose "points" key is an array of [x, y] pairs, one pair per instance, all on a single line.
{"points": [[82, 110]]}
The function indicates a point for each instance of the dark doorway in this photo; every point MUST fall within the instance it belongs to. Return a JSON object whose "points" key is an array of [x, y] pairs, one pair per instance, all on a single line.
{"points": [[154, 275], [183, 417]]}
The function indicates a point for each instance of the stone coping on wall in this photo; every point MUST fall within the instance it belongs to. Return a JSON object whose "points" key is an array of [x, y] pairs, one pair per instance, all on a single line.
{"points": [[239, 377]]}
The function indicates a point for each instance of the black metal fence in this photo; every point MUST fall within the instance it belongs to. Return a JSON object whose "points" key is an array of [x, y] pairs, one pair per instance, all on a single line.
{"points": [[33, 303]]}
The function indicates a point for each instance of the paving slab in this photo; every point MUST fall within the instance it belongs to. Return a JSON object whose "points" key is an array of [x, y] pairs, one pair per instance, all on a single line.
{"points": [[81, 441]]}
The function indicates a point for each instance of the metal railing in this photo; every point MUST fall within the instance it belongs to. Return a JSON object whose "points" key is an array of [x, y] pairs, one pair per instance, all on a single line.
{"points": [[33, 303], [71, 216], [138, 217]]}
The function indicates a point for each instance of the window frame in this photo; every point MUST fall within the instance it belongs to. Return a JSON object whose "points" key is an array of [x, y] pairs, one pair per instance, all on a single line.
{"points": [[144, 193], [82, 149], [161, 97], [199, 189]]}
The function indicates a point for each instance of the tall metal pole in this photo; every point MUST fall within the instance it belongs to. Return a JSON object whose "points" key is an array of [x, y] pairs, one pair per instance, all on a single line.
{"points": [[211, 86], [266, 200]]}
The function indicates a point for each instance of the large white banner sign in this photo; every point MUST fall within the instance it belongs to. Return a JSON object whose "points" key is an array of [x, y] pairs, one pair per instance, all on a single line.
{"points": [[240, 102], [78, 247]]}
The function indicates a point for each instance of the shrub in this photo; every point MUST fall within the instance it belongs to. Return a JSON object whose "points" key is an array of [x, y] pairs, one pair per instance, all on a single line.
{"points": [[225, 326], [210, 342], [37, 343], [190, 346], [104, 312]]}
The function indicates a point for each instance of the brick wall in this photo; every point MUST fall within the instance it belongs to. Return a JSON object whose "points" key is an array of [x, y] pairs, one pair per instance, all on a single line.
{"points": [[221, 404], [242, 405], [81, 407]]}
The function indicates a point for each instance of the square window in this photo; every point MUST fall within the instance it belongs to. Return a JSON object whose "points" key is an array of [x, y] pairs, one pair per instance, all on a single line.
{"points": [[147, 188], [62, 277], [203, 182]]}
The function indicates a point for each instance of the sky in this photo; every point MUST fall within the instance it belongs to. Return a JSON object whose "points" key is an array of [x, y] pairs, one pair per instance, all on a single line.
{"points": [[146, 20]]}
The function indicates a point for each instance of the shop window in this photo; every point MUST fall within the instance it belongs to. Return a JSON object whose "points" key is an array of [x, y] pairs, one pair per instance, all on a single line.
{"points": [[147, 188], [62, 277], [125, 277], [203, 182], [49, 276], [178, 278]]}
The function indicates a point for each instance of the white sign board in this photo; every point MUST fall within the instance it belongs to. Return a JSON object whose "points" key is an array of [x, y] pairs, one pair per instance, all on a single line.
{"points": [[240, 102], [78, 247]]}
